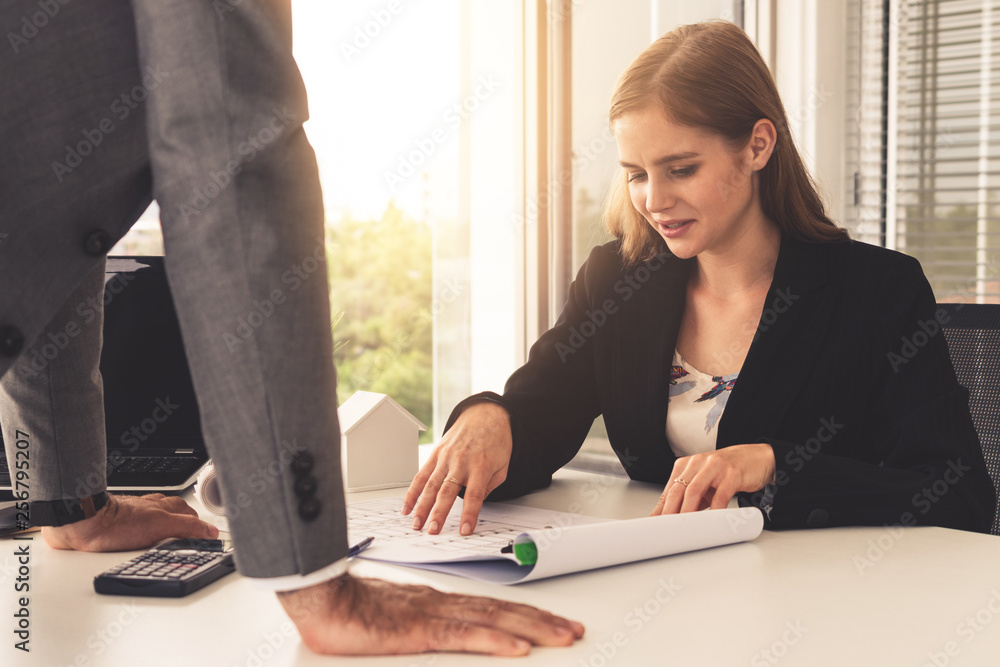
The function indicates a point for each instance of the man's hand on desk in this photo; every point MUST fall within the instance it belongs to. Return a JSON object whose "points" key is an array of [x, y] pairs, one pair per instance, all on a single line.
{"points": [[474, 453], [131, 522], [352, 616]]}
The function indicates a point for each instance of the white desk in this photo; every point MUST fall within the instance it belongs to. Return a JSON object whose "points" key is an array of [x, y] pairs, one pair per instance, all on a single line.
{"points": [[798, 595]]}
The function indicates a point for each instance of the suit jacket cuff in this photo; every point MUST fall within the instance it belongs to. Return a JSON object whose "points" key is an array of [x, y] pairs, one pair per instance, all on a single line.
{"points": [[297, 581], [65, 510]]}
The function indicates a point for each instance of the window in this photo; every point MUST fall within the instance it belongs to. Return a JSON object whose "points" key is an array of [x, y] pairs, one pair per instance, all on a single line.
{"points": [[926, 151], [414, 118], [416, 121]]}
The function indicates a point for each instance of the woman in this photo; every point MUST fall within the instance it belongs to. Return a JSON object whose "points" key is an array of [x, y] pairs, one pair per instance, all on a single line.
{"points": [[732, 298]]}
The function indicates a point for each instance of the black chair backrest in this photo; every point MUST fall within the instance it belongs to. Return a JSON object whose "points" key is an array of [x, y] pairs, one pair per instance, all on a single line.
{"points": [[973, 334]]}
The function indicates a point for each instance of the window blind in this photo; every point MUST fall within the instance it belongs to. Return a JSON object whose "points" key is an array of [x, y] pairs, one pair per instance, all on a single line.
{"points": [[938, 137]]}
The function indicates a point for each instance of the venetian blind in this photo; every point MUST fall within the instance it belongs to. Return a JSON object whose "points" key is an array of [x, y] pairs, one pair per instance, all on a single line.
{"points": [[947, 144], [923, 139]]}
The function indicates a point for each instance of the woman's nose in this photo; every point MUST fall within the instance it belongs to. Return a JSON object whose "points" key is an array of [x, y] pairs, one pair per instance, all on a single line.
{"points": [[659, 196]]}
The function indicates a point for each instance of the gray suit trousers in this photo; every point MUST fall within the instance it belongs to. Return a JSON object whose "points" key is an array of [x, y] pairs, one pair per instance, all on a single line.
{"points": [[106, 104]]}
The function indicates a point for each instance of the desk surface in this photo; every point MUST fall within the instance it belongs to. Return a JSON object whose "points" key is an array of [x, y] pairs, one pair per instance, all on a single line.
{"points": [[839, 596]]}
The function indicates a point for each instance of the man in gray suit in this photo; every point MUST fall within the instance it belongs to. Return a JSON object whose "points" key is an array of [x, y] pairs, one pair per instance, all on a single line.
{"points": [[105, 104]]}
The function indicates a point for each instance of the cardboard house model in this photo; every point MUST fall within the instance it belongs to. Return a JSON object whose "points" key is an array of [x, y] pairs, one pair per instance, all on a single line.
{"points": [[378, 445]]}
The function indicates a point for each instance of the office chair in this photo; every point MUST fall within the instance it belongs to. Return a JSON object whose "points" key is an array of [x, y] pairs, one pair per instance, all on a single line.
{"points": [[973, 335]]}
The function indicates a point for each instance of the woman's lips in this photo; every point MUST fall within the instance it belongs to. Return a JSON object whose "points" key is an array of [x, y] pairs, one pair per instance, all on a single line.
{"points": [[674, 228]]}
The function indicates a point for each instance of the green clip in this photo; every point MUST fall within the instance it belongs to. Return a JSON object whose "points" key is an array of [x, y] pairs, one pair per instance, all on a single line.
{"points": [[526, 552]]}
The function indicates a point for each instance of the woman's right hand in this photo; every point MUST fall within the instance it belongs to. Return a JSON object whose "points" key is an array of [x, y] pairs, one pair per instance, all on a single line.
{"points": [[474, 453]]}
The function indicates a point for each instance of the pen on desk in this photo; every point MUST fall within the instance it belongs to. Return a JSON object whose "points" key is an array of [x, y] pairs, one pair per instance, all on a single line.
{"points": [[359, 547]]}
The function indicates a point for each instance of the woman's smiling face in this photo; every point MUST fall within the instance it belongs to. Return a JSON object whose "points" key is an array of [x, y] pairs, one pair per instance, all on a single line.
{"points": [[688, 183]]}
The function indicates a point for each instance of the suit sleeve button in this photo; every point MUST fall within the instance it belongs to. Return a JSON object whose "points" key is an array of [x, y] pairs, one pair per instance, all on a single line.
{"points": [[97, 243], [11, 341], [302, 463], [309, 509], [305, 486]]}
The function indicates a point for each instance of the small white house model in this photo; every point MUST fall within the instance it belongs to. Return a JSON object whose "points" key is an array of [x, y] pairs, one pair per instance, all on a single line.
{"points": [[378, 445]]}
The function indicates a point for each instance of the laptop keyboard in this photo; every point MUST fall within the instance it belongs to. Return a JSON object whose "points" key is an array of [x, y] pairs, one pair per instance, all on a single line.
{"points": [[137, 464], [174, 466]]}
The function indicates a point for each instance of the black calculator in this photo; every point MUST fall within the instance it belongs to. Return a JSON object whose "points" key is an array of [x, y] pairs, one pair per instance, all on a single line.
{"points": [[171, 569]]}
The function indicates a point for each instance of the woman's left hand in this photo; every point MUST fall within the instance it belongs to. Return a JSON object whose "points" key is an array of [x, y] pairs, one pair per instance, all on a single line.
{"points": [[712, 479]]}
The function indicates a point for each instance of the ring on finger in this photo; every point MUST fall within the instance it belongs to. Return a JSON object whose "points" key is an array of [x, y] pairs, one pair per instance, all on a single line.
{"points": [[680, 480], [452, 479]]}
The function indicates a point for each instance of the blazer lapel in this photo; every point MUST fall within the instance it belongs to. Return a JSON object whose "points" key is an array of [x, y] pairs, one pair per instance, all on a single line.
{"points": [[794, 322], [649, 321]]}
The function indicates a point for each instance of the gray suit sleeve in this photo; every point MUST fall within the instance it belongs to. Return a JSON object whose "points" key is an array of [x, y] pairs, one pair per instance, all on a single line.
{"points": [[242, 216], [73, 177], [54, 395], [204, 101]]}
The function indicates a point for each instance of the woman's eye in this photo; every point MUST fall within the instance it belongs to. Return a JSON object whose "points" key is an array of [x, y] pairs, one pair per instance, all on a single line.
{"points": [[635, 177], [684, 172]]}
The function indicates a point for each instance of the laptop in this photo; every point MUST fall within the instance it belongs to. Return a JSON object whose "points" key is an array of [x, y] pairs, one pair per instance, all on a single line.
{"points": [[153, 425]]}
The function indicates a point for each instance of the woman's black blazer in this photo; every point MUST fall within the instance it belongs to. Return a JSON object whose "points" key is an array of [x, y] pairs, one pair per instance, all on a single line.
{"points": [[848, 378]]}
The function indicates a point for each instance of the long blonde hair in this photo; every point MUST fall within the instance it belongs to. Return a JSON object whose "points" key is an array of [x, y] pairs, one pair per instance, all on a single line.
{"points": [[711, 76]]}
